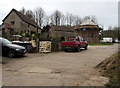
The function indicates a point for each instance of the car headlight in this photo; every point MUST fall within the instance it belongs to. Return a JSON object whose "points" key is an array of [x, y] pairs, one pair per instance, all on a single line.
{"points": [[17, 49]]}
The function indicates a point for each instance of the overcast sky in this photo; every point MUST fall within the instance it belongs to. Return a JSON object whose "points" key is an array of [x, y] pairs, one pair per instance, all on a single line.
{"points": [[106, 11]]}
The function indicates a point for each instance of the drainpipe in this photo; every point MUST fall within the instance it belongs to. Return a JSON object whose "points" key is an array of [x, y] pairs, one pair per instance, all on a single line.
{"points": [[37, 40]]}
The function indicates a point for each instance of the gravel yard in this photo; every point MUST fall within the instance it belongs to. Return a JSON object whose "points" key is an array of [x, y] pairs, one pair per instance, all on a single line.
{"points": [[58, 68]]}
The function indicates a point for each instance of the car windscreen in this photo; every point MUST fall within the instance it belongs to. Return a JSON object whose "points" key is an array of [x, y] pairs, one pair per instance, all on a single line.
{"points": [[5, 41], [71, 39]]}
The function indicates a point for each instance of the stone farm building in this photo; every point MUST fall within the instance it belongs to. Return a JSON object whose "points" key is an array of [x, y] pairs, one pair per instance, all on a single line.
{"points": [[20, 23], [89, 31], [6, 30], [62, 31], [0, 30], [56, 32]]}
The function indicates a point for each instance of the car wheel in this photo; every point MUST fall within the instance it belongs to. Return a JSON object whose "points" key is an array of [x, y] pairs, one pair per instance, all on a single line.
{"points": [[78, 49], [86, 47], [11, 53], [66, 50]]}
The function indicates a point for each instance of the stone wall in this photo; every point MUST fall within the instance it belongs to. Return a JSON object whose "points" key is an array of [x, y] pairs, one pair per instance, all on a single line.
{"points": [[19, 24], [56, 33], [90, 35], [27, 28]]}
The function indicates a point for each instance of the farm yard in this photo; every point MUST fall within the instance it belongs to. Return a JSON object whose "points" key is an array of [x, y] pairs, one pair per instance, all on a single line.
{"points": [[58, 68], [59, 43]]}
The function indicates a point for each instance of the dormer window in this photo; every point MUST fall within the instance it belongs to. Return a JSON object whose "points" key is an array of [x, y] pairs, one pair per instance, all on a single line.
{"points": [[12, 22]]}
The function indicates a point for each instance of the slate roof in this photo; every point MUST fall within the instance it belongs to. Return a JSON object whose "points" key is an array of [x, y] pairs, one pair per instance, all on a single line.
{"points": [[7, 25], [63, 28], [88, 22], [23, 18], [89, 25]]}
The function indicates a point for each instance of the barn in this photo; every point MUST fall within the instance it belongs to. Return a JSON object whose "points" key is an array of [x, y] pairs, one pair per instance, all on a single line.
{"points": [[89, 31]]}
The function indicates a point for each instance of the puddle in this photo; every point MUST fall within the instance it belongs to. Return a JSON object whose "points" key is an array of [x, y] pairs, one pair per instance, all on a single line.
{"points": [[12, 70], [57, 72], [36, 70]]}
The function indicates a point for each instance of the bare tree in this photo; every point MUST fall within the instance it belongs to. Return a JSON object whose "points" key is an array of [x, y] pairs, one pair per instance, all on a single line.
{"points": [[47, 20], [69, 19], [23, 10], [77, 20], [39, 16], [94, 19], [63, 20], [30, 14], [56, 18], [86, 18]]}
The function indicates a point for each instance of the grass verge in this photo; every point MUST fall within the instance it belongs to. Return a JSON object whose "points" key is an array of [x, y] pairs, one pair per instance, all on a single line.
{"points": [[93, 44], [111, 68]]}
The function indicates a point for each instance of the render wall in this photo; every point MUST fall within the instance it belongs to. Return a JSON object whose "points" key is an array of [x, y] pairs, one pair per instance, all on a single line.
{"points": [[20, 26]]}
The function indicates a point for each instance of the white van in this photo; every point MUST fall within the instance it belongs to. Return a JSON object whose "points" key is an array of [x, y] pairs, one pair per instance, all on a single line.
{"points": [[107, 40]]}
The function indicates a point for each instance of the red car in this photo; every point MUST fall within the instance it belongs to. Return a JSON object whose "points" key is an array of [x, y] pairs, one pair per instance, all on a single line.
{"points": [[74, 43]]}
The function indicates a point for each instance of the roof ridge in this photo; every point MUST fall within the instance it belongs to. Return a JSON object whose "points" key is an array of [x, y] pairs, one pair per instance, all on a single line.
{"points": [[26, 18], [88, 22], [23, 18]]}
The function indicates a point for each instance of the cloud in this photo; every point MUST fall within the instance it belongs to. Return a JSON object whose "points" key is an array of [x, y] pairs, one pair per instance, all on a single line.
{"points": [[106, 11]]}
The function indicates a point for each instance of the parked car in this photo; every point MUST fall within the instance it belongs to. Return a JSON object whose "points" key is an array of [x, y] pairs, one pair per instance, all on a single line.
{"points": [[25, 44], [10, 49], [74, 43]]}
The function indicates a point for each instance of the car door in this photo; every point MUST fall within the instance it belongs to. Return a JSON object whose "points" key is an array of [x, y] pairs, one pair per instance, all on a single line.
{"points": [[4, 49], [82, 42], [0, 47]]}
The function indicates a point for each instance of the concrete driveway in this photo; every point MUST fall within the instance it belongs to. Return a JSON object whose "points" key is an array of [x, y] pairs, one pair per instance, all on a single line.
{"points": [[57, 69]]}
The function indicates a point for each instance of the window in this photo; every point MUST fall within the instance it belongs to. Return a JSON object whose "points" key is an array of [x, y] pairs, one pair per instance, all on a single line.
{"points": [[28, 25], [28, 31], [24, 31], [92, 35], [12, 22], [84, 29], [81, 39]]}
